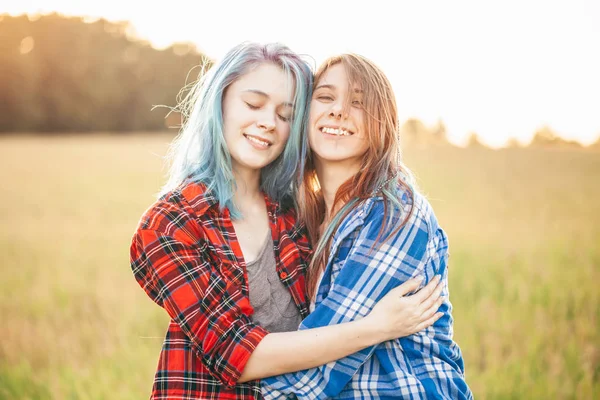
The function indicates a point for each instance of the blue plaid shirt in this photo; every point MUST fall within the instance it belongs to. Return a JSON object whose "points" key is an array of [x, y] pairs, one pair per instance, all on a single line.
{"points": [[426, 365]]}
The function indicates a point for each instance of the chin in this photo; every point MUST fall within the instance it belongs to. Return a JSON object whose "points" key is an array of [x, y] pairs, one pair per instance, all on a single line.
{"points": [[331, 156], [256, 164]]}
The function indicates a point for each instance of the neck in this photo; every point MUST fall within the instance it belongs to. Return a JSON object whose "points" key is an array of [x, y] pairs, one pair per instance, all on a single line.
{"points": [[331, 176], [247, 191]]}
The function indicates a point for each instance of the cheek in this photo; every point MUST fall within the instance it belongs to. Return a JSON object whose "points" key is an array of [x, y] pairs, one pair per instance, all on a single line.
{"points": [[359, 120], [284, 133], [313, 117], [312, 134], [228, 125], [235, 115], [315, 111]]}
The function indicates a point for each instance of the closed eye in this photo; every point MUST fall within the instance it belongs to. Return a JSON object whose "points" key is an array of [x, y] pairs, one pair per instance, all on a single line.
{"points": [[284, 119], [324, 98], [252, 106]]}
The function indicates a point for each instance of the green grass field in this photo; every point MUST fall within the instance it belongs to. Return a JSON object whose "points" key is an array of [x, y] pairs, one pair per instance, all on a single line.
{"points": [[524, 228]]}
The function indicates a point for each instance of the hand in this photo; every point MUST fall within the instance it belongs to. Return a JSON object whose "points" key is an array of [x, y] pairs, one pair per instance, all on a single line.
{"points": [[397, 315]]}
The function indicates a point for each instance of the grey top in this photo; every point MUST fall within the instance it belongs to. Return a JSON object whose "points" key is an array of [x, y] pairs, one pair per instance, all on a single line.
{"points": [[274, 308]]}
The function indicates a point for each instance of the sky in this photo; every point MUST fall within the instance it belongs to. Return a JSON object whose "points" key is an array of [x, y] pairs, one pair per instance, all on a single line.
{"points": [[501, 69]]}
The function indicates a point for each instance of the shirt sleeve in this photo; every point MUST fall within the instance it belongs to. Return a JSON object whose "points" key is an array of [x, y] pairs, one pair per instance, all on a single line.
{"points": [[169, 264], [366, 276]]}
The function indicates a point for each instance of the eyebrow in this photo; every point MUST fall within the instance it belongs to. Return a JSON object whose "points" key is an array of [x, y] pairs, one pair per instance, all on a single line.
{"points": [[324, 87], [333, 87], [263, 94]]}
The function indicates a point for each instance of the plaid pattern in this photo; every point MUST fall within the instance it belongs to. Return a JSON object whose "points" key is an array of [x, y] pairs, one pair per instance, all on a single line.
{"points": [[426, 365], [185, 256]]}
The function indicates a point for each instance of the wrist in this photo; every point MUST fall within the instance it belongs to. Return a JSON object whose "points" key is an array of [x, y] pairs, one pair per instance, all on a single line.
{"points": [[370, 332]]}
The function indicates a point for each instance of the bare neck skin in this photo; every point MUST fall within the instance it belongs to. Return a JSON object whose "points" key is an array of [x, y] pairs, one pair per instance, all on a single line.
{"points": [[247, 196], [331, 176], [252, 229]]}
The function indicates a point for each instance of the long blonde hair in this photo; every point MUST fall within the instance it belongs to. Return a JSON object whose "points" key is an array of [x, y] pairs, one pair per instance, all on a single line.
{"points": [[381, 171]]}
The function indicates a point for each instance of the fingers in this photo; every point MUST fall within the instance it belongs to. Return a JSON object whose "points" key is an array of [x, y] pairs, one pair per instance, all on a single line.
{"points": [[427, 323], [432, 309], [433, 299], [407, 287], [426, 292]]}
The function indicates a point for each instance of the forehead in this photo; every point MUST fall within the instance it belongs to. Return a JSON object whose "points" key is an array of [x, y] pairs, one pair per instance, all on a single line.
{"points": [[268, 79], [338, 77]]}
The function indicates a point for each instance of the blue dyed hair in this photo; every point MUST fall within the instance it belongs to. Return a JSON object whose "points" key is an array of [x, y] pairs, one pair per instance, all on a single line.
{"points": [[200, 154]]}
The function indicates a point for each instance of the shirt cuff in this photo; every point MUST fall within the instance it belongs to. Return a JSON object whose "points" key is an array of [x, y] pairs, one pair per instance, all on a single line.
{"points": [[249, 338]]}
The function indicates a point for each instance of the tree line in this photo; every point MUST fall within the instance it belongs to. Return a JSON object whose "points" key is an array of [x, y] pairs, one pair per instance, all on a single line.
{"points": [[61, 74], [70, 74], [415, 133]]}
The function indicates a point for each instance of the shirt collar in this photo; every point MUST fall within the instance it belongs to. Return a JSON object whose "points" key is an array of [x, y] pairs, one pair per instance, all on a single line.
{"points": [[202, 200]]}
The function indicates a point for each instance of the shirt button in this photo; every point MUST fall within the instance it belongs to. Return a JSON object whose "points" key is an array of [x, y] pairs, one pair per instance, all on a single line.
{"points": [[283, 275]]}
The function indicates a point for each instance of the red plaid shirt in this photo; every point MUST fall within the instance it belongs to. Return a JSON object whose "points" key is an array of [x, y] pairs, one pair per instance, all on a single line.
{"points": [[185, 256]]}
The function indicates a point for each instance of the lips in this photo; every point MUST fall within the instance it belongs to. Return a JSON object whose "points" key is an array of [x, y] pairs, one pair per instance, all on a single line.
{"points": [[336, 131], [258, 140]]}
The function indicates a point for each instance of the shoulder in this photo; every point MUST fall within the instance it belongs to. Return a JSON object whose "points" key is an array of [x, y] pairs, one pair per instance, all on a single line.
{"points": [[178, 210], [423, 211], [408, 207]]}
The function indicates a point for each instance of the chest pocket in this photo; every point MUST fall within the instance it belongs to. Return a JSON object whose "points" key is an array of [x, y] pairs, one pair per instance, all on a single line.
{"points": [[233, 273], [227, 269]]}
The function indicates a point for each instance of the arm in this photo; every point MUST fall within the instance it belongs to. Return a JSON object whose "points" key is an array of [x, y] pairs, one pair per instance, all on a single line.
{"points": [[280, 353], [169, 265], [364, 279]]}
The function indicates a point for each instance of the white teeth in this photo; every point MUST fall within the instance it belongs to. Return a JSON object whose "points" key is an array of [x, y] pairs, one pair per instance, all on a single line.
{"points": [[333, 131], [257, 141]]}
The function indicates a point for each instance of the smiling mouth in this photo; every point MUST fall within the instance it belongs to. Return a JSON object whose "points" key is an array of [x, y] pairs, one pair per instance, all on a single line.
{"points": [[336, 131], [258, 141]]}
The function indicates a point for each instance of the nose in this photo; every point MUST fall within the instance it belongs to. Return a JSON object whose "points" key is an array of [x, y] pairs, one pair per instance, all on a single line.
{"points": [[337, 110], [266, 122]]}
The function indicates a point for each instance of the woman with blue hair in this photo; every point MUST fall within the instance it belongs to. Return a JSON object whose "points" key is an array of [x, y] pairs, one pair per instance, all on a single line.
{"points": [[221, 250]]}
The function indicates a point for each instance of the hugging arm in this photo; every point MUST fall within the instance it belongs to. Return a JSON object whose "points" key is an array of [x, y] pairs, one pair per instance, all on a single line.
{"points": [[365, 278], [168, 262]]}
